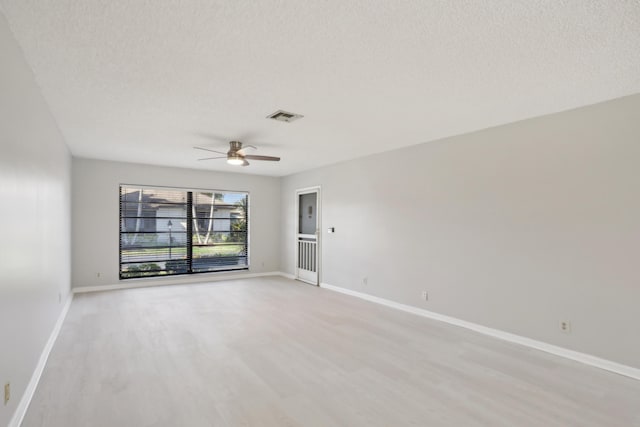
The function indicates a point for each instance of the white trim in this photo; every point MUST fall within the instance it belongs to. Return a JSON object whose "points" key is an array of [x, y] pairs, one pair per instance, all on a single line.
{"points": [[302, 279], [23, 405], [133, 283], [306, 190], [307, 236], [164, 187], [587, 359]]}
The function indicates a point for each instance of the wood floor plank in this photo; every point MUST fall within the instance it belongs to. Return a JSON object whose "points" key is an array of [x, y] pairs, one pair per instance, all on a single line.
{"points": [[274, 352]]}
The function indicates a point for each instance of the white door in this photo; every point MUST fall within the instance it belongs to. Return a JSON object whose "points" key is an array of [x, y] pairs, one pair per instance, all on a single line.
{"points": [[307, 234]]}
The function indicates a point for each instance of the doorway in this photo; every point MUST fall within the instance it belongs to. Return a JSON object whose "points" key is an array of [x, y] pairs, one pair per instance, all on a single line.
{"points": [[308, 235]]}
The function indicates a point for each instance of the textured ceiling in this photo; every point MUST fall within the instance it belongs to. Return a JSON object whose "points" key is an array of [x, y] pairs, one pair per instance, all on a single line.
{"points": [[145, 81]]}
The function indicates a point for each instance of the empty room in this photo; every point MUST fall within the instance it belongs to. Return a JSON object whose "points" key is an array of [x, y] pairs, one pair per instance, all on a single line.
{"points": [[319, 213]]}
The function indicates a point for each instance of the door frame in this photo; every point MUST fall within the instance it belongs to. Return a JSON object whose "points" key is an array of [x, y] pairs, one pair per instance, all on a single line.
{"points": [[300, 191]]}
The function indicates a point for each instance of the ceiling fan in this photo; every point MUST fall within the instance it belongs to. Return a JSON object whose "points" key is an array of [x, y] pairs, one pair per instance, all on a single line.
{"points": [[237, 155]]}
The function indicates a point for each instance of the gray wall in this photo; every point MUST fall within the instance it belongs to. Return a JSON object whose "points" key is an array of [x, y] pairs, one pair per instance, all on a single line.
{"points": [[515, 227], [35, 213], [96, 213]]}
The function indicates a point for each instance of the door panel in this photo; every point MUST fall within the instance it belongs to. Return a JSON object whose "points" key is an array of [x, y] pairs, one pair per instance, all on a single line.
{"points": [[307, 237]]}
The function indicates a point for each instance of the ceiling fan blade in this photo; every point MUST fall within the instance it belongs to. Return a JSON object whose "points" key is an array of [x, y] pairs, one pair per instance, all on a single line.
{"points": [[269, 158], [211, 158], [206, 149], [245, 163], [244, 147]]}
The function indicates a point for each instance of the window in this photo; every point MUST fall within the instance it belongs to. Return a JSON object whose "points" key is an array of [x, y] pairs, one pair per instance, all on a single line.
{"points": [[172, 231]]}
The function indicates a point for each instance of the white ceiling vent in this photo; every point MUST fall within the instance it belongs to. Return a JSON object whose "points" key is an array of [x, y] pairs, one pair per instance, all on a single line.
{"points": [[284, 116]]}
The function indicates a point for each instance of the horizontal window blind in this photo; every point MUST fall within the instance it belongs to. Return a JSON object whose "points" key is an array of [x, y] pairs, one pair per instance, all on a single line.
{"points": [[174, 231]]}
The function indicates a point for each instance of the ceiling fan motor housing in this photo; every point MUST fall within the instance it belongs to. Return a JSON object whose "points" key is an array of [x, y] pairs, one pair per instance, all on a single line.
{"points": [[234, 146]]}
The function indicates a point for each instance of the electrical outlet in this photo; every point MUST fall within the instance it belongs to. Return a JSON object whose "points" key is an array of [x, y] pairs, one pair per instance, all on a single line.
{"points": [[365, 281], [98, 275], [7, 392], [565, 326], [425, 295]]}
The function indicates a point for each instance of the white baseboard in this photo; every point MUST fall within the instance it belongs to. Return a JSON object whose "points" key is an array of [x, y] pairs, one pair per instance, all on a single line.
{"points": [[587, 359], [169, 281], [23, 405]]}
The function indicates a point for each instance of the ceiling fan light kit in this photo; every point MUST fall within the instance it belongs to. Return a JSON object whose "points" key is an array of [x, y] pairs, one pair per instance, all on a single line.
{"points": [[235, 160]]}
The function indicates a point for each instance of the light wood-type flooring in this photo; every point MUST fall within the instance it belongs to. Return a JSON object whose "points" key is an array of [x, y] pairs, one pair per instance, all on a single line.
{"points": [[274, 352]]}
